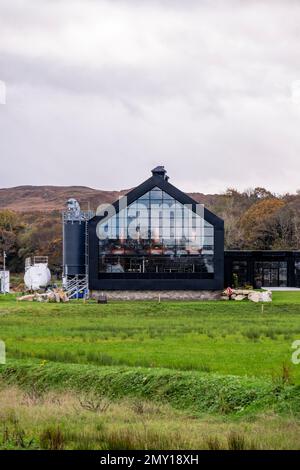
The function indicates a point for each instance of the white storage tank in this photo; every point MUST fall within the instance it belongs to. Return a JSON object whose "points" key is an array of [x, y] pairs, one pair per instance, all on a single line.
{"points": [[4, 282], [37, 274]]}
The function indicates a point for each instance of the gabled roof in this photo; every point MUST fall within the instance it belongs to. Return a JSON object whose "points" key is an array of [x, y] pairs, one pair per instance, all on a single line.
{"points": [[160, 180]]}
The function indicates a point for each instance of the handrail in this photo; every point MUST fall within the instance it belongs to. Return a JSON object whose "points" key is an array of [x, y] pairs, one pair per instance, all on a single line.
{"points": [[75, 286]]}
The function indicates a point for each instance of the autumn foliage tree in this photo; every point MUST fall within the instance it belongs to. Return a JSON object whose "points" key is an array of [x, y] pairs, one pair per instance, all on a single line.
{"points": [[30, 234], [10, 227], [255, 223]]}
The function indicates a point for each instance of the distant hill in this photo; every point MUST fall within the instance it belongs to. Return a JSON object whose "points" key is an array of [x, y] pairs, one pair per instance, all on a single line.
{"points": [[50, 198], [254, 219]]}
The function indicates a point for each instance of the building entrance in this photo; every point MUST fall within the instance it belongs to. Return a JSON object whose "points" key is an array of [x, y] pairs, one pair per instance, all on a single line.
{"points": [[270, 274]]}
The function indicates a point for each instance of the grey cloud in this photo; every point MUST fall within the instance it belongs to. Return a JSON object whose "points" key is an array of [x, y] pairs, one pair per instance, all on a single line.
{"points": [[211, 87]]}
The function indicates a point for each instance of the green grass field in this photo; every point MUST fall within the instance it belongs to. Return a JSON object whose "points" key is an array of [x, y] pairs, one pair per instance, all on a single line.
{"points": [[225, 366]]}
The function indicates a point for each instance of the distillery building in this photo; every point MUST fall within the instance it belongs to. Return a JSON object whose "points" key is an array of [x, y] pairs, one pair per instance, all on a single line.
{"points": [[159, 238]]}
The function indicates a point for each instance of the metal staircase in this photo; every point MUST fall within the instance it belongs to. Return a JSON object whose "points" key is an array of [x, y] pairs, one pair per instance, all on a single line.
{"points": [[76, 287]]}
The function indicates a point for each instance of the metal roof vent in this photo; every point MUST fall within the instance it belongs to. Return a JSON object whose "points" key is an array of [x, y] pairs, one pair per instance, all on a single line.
{"points": [[160, 171]]}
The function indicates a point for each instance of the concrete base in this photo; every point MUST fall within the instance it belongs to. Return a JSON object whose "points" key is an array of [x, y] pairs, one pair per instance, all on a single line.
{"points": [[156, 295], [282, 289]]}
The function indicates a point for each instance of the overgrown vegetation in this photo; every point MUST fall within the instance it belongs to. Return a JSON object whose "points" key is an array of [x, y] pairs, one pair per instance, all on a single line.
{"points": [[28, 234], [57, 421], [127, 375]]}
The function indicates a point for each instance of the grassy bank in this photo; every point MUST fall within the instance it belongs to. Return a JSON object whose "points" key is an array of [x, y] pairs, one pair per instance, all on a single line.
{"points": [[130, 375], [187, 391]]}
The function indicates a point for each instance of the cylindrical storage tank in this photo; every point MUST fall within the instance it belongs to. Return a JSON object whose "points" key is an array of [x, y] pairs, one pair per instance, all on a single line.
{"points": [[74, 247], [37, 277]]}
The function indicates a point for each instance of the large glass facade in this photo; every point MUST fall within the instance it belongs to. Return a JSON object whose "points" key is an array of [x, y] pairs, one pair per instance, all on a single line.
{"points": [[156, 234], [270, 274]]}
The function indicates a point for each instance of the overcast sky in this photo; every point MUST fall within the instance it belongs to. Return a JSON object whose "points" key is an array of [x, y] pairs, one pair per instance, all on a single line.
{"points": [[99, 92]]}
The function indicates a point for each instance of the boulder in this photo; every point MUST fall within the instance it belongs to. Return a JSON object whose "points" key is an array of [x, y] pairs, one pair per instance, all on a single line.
{"points": [[240, 297], [265, 296]]}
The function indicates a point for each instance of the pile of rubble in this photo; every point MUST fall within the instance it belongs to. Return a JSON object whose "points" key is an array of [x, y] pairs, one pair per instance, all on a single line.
{"points": [[55, 295], [242, 294]]}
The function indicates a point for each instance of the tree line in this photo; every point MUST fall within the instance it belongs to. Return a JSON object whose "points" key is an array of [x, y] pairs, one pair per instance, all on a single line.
{"points": [[254, 219], [259, 220]]}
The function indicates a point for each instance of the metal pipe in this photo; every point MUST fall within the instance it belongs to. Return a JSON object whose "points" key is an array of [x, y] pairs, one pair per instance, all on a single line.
{"points": [[4, 273]]}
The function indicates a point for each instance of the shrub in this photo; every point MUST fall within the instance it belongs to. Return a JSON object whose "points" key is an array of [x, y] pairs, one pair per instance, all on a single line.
{"points": [[235, 279], [52, 439], [213, 443], [254, 335], [236, 441], [94, 403]]}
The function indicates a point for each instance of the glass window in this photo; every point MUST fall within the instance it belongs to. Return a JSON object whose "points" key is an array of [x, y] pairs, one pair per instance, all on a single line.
{"points": [[156, 234], [240, 271], [144, 196], [270, 274], [297, 272]]}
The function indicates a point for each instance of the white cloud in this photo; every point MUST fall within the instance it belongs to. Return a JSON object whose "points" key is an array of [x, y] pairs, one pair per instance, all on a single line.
{"points": [[98, 92]]}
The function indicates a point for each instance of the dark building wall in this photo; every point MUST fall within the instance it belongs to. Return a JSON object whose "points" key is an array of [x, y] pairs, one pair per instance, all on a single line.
{"points": [[262, 268]]}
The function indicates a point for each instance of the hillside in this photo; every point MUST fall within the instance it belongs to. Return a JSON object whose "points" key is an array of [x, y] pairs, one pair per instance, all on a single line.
{"points": [[50, 198], [30, 219]]}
